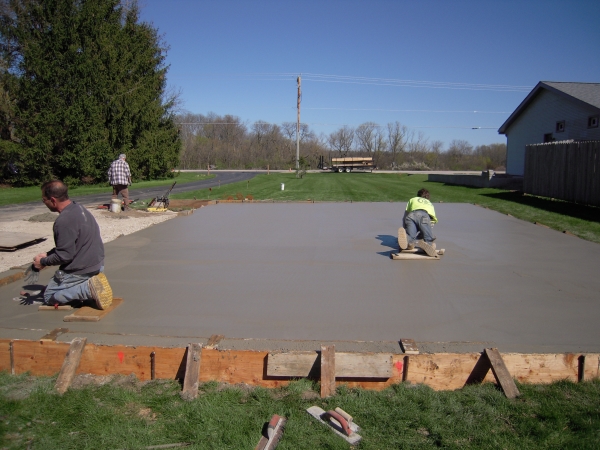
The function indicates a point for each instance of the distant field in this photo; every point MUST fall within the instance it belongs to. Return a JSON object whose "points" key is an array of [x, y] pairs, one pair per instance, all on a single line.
{"points": [[582, 221]]}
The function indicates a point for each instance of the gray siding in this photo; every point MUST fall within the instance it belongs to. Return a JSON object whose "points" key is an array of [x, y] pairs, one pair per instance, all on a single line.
{"points": [[539, 118]]}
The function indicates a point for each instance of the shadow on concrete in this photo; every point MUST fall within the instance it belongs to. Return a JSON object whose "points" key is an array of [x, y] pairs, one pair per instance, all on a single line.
{"points": [[388, 241], [591, 213]]}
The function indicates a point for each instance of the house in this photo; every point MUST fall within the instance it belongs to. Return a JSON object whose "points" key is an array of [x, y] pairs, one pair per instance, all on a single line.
{"points": [[553, 111]]}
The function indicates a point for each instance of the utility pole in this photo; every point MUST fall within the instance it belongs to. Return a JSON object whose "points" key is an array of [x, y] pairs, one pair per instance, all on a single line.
{"points": [[298, 124]]}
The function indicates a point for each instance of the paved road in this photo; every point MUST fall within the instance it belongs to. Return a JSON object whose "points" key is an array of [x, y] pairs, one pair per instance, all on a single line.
{"points": [[26, 210]]}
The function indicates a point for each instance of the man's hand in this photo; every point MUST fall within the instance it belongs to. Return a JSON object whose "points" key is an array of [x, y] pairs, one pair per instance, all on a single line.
{"points": [[37, 261]]}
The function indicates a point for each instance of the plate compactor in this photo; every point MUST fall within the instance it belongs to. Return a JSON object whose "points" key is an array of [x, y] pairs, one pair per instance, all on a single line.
{"points": [[160, 204]]}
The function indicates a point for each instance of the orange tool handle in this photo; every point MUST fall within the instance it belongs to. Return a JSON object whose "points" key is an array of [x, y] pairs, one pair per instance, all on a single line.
{"points": [[343, 422]]}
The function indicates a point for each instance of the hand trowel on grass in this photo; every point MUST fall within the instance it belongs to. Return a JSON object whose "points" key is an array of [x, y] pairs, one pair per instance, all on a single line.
{"points": [[340, 422]]}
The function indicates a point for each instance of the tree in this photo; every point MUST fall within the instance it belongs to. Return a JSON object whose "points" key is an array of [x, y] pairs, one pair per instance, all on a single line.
{"points": [[89, 83], [341, 140], [396, 139]]}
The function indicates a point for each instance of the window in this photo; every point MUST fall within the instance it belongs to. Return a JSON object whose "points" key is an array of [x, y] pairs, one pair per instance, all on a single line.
{"points": [[593, 122], [560, 126], [548, 138]]}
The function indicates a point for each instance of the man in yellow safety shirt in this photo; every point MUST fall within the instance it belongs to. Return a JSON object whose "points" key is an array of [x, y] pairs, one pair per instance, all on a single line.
{"points": [[416, 231]]}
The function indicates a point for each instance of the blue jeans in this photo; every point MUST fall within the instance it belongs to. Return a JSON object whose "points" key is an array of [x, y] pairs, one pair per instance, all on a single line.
{"points": [[72, 287], [418, 221]]}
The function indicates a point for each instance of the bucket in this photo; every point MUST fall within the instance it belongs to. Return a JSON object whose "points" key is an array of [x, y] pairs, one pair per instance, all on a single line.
{"points": [[282, 186], [115, 205]]}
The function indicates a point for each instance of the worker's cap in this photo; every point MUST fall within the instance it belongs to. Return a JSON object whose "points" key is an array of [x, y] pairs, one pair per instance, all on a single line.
{"points": [[122, 156]]}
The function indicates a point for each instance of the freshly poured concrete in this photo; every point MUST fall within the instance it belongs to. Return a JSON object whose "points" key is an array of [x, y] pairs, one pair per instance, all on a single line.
{"points": [[322, 272]]}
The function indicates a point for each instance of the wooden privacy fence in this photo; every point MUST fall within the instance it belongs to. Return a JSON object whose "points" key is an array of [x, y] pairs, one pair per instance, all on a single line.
{"points": [[564, 170]]}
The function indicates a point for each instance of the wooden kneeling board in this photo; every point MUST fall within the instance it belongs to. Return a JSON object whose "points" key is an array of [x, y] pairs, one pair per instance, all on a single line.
{"points": [[87, 314], [417, 253]]}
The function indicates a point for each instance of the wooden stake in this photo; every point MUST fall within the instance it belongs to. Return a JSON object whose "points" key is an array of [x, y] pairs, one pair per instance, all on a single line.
{"points": [[580, 368], [70, 364], [491, 359], [192, 372], [327, 370], [501, 373], [12, 357], [153, 365], [405, 368]]}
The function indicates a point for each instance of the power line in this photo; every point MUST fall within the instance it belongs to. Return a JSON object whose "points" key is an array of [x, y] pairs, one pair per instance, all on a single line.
{"points": [[411, 110], [325, 78], [328, 124], [414, 83]]}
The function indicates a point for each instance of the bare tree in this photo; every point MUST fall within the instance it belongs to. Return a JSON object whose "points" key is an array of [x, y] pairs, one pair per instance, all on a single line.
{"points": [[366, 137], [396, 139], [432, 158], [341, 140]]}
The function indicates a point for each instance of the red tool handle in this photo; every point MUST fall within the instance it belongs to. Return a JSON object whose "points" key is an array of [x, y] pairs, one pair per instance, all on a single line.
{"points": [[343, 422], [272, 424]]}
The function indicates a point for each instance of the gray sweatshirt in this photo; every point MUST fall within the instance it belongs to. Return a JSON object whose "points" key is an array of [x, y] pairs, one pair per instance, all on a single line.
{"points": [[78, 245]]}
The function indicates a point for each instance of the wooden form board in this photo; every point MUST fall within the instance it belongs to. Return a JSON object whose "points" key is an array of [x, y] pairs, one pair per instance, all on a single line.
{"points": [[409, 346], [347, 365], [414, 256], [54, 334], [440, 371], [87, 314]]}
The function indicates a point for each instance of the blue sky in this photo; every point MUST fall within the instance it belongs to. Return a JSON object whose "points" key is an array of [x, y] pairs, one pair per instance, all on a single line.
{"points": [[429, 64]]}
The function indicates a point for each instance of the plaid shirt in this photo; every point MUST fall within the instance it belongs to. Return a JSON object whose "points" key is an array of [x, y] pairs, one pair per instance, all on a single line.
{"points": [[119, 173]]}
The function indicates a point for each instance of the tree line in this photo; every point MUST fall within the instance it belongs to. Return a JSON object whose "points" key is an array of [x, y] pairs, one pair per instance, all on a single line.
{"points": [[82, 81], [228, 143]]}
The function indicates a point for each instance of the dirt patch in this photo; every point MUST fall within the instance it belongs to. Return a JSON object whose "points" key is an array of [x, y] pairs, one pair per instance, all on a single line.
{"points": [[111, 226], [309, 395], [46, 217], [22, 389], [189, 203]]}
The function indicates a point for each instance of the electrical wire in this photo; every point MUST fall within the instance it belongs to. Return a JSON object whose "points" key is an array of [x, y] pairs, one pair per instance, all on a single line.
{"points": [[327, 124], [346, 79]]}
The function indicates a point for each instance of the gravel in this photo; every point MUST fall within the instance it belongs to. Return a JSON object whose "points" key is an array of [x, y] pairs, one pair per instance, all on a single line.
{"points": [[111, 225]]}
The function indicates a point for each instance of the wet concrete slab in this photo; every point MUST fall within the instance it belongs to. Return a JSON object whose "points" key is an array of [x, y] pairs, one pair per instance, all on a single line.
{"points": [[265, 275]]}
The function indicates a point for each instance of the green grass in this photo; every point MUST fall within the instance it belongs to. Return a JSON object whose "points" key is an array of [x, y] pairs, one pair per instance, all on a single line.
{"points": [[583, 221], [9, 196], [128, 414]]}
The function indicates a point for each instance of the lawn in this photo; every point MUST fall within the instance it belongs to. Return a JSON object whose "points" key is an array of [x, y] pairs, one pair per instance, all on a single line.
{"points": [[583, 221], [10, 196], [125, 413]]}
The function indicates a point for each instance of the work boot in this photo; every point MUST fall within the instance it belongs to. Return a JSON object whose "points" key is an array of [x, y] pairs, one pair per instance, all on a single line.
{"points": [[427, 247], [101, 291], [402, 239]]}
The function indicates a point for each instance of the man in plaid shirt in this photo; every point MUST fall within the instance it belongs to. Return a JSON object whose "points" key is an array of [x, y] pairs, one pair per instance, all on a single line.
{"points": [[119, 177]]}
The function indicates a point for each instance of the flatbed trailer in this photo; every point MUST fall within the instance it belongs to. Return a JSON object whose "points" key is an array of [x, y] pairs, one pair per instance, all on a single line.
{"points": [[348, 164]]}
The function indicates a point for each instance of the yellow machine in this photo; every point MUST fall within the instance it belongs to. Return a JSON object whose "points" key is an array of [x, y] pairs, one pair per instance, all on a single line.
{"points": [[161, 204]]}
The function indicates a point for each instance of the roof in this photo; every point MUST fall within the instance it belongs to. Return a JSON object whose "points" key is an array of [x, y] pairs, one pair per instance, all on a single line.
{"points": [[584, 93]]}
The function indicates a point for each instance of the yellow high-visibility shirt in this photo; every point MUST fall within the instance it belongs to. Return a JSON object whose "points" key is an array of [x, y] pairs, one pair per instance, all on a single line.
{"points": [[421, 203]]}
